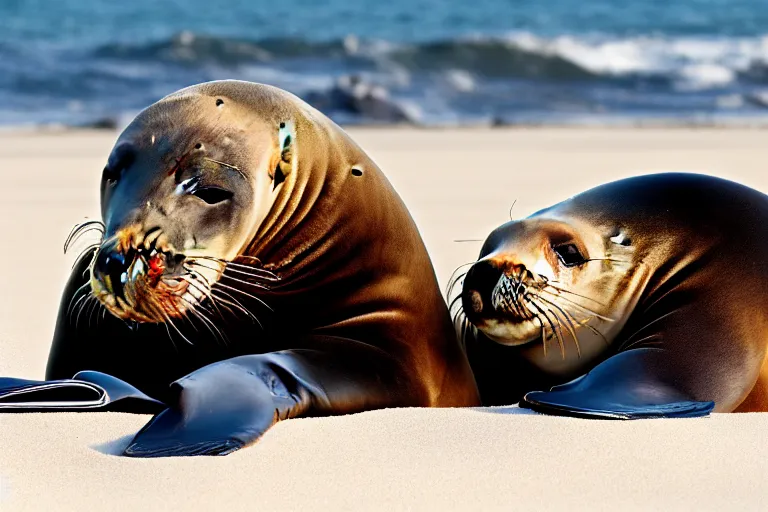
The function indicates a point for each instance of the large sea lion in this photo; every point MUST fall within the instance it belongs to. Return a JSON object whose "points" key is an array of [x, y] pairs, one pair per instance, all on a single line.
{"points": [[645, 297], [258, 262]]}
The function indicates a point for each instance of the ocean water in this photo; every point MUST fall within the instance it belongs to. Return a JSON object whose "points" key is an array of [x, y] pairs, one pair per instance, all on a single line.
{"points": [[426, 62]]}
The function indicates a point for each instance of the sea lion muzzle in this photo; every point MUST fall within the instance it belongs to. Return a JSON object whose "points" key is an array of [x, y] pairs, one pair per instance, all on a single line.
{"points": [[494, 287], [144, 285]]}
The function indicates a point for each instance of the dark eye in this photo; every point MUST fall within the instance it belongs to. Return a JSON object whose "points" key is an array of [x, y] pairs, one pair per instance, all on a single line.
{"points": [[212, 195], [569, 255], [120, 159], [110, 175]]}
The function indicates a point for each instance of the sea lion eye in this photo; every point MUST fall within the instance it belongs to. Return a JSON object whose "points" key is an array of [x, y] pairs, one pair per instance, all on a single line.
{"points": [[212, 195], [569, 254], [121, 159], [110, 175]]}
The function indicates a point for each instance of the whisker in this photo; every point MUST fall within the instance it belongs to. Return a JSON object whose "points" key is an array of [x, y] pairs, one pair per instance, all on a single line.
{"points": [[170, 337], [641, 329], [242, 266], [608, 259], [82, 307], [453, 302], [585, 323], [551, 326], [83, 227], [453, 283], [71, 305], [456, 276], [580, 306], [556, 326], [242, 292], [92, 247], [258, 286], [169, 320], [95, 307], [237, 304], [223, 273], [191, 280], [641, 340], [564, 290], [210, 325], [510, 209], [567, 317]]}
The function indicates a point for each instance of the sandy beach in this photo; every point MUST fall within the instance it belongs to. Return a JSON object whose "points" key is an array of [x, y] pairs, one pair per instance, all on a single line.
{"points": [[458, 184]]}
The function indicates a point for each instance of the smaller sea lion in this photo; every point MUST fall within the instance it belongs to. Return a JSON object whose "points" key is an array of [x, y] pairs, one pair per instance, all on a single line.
{"points": [[644, 297]]}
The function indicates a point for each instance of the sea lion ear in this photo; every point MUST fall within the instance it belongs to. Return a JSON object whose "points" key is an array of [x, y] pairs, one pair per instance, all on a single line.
{"points": [[285, 137]]}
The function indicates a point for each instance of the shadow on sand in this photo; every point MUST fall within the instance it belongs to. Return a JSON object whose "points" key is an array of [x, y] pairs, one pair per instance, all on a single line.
{"points": [[114, 447]]}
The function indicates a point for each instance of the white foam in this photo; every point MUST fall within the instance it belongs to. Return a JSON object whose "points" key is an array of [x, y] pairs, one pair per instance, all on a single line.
{"points": [[695, 62], [704, 76], [460, 80]]}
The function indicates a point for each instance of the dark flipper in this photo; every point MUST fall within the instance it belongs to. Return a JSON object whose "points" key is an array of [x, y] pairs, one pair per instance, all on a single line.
{"points": [[218, 409], [227, 405], [87, 391], [121, 396], [629, 385]]}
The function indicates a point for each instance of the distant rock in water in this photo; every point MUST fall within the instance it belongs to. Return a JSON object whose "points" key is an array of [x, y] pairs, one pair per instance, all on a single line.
{"points": [[104, 123], [352, 94]]}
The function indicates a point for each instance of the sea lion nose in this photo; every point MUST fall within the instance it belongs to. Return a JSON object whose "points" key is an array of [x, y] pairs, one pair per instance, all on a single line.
{"points": [[479, 283], [111, 268]]}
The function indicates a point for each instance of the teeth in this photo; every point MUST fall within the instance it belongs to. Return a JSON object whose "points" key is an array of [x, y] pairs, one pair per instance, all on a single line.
{"points": [[138, 269], [151, 238]]}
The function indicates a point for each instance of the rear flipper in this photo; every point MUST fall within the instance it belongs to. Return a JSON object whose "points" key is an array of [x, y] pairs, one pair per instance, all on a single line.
{"points": [[628, 385]]}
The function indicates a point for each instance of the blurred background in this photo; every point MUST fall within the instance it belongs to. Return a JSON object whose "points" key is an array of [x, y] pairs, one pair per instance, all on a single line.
{"points": [[423, 62]]}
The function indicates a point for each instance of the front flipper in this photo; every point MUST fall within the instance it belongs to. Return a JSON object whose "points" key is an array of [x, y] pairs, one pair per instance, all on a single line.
{"points": [[227, 405], [629, 385], [218, 409]]}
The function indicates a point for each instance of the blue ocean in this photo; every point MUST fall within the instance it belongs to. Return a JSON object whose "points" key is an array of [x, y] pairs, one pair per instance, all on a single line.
{"points": [[423, 62]]}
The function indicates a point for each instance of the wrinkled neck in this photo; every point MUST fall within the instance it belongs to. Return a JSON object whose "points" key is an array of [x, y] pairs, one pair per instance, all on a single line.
{"points": [[305, 210]]}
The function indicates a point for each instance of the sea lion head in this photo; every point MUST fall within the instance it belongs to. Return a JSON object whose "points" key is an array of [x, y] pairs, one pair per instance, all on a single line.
{"points": [[551, 279], [185, 188]]}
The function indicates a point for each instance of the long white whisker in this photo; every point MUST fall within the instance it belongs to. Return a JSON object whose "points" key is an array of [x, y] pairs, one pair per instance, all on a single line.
{"points": [[580, 306], [571, 327], [242, 292]]}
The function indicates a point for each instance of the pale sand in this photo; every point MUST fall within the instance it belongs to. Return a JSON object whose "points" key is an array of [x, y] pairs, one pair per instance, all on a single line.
{"points": [[459, 185]]}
